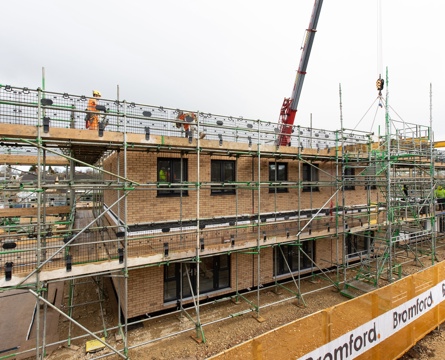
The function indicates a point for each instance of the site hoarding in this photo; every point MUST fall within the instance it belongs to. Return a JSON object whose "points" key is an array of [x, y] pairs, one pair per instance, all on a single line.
{"points": [[383, 324]]}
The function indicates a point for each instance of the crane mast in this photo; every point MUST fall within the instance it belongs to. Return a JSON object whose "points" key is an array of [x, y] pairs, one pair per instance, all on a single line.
{"points": [[289, 107]]}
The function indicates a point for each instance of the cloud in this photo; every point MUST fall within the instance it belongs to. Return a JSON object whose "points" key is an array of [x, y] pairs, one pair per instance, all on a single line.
{"points": [[231, 57]]}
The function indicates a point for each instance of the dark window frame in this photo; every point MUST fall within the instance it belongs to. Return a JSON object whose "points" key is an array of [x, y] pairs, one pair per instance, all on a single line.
{"points": [[173, 175], [291, 254], [370, 183], [310, 174], [357, 244], [216, 278], [275, 178], [349, 177], [221, 176]]}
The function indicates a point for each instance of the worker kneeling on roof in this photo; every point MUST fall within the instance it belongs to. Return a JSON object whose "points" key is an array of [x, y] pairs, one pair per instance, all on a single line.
{"points": [[188, 122]]}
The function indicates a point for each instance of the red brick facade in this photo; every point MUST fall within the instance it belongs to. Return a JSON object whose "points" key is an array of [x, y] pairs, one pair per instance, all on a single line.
{"points": [[146, 285]]}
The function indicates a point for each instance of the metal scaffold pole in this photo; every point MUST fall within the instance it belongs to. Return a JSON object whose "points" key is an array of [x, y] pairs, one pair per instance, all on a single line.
{"points": [[39, 225], [258, 255], [432, 181], [389, 209], [126, 274], [340, 169], [199, 330]]}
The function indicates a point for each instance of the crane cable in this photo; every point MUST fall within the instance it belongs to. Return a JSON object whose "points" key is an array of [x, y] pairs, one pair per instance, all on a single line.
{"points": [[380, 60], [366, 112], [379, 38], [380, 82]]}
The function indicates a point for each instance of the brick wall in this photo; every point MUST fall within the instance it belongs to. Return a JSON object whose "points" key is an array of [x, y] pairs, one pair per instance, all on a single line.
{"points": [[145, 206], [146, 286], [145, 291]]}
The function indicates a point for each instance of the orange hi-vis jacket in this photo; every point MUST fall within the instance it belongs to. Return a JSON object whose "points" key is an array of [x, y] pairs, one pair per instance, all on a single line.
{"points": [[186, 124], [93, 118]]}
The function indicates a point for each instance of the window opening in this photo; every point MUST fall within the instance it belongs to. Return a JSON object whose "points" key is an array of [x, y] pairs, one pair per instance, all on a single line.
{"points": [[171, 172], [278, 173], [310, 174], [222, 171]]}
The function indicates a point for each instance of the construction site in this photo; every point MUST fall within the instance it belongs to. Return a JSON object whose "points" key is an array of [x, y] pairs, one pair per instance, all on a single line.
{"points": [[235, 211], [159, 213]]}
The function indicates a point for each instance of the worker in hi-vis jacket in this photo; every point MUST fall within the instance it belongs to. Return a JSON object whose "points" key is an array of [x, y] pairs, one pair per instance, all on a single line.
{"points": [[188, 121], [92, 117]]}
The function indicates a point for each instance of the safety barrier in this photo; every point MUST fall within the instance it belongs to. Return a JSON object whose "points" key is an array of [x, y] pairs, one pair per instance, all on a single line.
{"points": [[62, 110], [383, 324]]}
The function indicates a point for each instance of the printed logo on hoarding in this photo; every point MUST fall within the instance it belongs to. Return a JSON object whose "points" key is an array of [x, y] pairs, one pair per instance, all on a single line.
{"points": [[402, 317], [356, 344], [364, 337]]}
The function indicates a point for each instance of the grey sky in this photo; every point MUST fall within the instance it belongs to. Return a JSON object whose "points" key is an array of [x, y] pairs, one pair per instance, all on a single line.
{"points": [[233, 57]]}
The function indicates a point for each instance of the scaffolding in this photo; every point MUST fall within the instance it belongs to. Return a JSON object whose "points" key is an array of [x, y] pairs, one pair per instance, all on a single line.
{"points": [[231, 198]]}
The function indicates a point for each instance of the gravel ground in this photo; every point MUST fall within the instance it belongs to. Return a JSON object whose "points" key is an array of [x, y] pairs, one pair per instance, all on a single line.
{"points": [[235, 329], [219, 335], [432, 346]]}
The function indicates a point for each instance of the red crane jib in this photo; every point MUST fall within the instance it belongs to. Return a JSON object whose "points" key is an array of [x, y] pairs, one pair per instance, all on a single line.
{"points": [[287, 117], [288, 111]]}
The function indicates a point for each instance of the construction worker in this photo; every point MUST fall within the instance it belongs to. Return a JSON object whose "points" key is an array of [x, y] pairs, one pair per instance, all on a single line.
{"points": [[405, 190], [188, 121], [163, 175], [441, 198], [92, 117]]}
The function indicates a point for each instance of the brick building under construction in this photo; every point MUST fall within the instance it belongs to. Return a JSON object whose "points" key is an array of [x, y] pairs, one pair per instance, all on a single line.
{"points": [[178, 216]]}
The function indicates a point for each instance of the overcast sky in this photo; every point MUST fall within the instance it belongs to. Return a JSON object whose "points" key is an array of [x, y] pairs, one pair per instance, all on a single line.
{"points": [[235, 57]]}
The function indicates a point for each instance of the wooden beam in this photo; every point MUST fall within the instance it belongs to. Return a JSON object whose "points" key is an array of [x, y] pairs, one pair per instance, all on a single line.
{"points": [[17, 212], [112, 139], [31, 160]]}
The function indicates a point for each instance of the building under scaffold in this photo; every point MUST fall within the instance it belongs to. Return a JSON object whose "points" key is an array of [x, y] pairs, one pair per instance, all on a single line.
{"points": [[184, 207]]}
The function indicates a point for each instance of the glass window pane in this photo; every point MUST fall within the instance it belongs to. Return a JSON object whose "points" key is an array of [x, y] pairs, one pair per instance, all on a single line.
{"points": [[293, 257], [169, 272], [314, 173], [271, 172], [224, 261], [290, 256], [170, 291], [186, 292], [169, 171], [306, 173], [222, 171], [282, 171], [216, 171], [170, 283], [224, 278], [176, 172], [206, 274], [229, 171]]}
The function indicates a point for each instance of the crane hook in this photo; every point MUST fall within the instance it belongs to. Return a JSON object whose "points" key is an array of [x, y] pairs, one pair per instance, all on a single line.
{"points": [[379, 84]]}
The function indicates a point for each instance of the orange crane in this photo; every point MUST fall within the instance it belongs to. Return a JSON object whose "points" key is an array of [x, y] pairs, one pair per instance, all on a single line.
{"points": [[289, 107]]}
